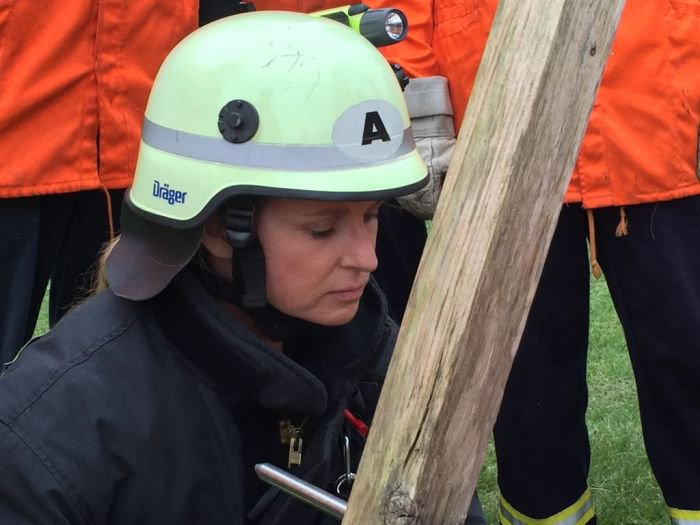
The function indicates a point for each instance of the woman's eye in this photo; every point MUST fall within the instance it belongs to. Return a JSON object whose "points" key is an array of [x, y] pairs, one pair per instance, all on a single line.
{"points": [[322, 234]]}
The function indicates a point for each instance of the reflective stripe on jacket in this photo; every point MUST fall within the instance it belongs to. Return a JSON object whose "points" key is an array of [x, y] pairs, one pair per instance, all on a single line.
{"points": [[75, 78], [642, 140]]}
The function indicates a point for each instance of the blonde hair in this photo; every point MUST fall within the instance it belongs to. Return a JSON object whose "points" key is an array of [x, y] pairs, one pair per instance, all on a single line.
{"points": [[99, 282]]}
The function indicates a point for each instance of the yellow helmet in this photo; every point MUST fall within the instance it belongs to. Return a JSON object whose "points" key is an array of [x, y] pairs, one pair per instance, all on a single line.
{"points": [[275, 104]]}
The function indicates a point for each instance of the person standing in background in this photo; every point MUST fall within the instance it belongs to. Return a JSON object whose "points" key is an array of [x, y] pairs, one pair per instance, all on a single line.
{"points": [[75, 79], [635, 197]]}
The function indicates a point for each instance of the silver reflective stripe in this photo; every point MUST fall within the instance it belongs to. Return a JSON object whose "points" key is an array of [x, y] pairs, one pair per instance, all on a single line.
{"points": [[569, 520], [256, 155]]}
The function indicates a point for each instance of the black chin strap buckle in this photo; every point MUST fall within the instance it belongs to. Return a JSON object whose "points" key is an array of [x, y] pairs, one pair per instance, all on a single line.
{"points": [[240, 222]]}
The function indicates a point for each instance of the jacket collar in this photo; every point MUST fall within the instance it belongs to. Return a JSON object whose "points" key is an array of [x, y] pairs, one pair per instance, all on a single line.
{"points": [[243, 368]]}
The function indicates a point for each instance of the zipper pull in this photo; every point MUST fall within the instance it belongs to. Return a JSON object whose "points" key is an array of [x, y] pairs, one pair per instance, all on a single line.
{"points": [[292, 436], [295, 445]]}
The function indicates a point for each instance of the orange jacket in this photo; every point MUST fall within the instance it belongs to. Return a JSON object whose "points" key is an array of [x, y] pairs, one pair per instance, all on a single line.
{"points": [[75, 77], [641, 144], [301, 6]]}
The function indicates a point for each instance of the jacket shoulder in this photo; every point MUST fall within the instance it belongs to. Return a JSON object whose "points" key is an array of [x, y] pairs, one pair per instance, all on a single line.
{"points": [[86, 402], [75, 340]]}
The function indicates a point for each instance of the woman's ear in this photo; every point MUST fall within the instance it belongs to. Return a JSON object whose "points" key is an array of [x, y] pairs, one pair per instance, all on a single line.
{"points": [[214, 239]]}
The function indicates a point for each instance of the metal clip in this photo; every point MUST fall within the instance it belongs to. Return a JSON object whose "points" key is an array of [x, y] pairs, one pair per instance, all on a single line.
{"points": [[343, 484]]}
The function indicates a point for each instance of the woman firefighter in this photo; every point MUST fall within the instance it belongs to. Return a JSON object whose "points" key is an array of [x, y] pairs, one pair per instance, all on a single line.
{"points": [[240, 316]]}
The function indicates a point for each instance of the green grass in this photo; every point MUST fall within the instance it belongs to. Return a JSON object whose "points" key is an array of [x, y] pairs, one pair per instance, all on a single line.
{"points": [[624, 489], [42, 323]]}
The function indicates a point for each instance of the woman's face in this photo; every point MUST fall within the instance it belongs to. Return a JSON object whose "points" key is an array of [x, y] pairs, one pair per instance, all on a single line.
{"points": [[318, 256]]}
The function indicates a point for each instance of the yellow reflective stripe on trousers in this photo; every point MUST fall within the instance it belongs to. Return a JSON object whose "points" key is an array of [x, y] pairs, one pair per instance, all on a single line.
{"points": [[579, 513], [684, 517]]}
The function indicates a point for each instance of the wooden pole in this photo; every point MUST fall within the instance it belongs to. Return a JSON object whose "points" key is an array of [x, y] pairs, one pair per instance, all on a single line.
{"points": [[497, 213]]}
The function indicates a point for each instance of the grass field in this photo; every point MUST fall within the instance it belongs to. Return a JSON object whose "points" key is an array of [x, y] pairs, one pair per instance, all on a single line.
{"points": [[624, 489]]}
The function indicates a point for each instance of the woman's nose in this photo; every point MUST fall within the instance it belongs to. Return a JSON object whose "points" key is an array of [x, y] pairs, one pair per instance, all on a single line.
{"points": [[360, 251]]}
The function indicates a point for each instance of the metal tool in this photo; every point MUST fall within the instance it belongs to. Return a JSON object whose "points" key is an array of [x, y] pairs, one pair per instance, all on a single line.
{"points": [[302, 490]]}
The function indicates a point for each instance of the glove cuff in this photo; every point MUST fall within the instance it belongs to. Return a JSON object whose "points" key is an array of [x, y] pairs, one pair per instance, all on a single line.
{"points": [[427, 97]]}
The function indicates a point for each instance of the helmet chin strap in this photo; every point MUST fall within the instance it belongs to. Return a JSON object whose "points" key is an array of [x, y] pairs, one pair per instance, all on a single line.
{"points": [[248, 264], [247, 290]]}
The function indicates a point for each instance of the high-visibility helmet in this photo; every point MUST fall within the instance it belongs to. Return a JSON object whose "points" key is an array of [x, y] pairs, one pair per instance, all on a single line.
{"points": [[274, 104], [269, 104]]}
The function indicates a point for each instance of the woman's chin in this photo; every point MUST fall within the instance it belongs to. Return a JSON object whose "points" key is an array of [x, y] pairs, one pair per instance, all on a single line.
{"points": [[336, 317]]}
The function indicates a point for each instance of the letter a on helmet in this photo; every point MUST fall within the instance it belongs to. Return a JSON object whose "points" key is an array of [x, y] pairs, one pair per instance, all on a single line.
{"points": [[374, 129]]}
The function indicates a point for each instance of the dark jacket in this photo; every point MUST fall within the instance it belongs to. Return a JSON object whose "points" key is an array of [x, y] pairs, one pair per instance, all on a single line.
{"points": [[156, 412]]}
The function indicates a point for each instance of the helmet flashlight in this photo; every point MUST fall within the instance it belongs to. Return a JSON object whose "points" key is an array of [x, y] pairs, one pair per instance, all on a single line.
{"points": [[382, 27]]}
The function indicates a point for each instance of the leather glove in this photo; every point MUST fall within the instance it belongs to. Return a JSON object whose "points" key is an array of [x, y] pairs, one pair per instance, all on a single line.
{"points": [[433, 130]]}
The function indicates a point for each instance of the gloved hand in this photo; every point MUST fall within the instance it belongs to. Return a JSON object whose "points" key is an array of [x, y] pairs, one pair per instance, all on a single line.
{"points": [[433, 129]]}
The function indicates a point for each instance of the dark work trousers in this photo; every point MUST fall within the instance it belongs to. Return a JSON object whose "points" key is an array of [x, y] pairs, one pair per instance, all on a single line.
{"points": [[400, 241], [51, 237], [653, 274]]}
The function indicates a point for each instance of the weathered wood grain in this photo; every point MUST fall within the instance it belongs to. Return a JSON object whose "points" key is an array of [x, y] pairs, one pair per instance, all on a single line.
{"points": [[490, 234]]}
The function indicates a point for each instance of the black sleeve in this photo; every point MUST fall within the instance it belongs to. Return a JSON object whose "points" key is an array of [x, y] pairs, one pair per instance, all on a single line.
{"points": [[210, 10], [29, 493]]}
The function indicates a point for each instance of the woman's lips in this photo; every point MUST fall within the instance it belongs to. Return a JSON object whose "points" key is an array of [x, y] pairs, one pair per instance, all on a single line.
{"points": [[349, 294]]}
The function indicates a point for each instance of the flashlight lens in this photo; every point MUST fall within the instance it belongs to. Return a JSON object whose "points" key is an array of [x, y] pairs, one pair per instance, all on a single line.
{"points": [[394, 26]]}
